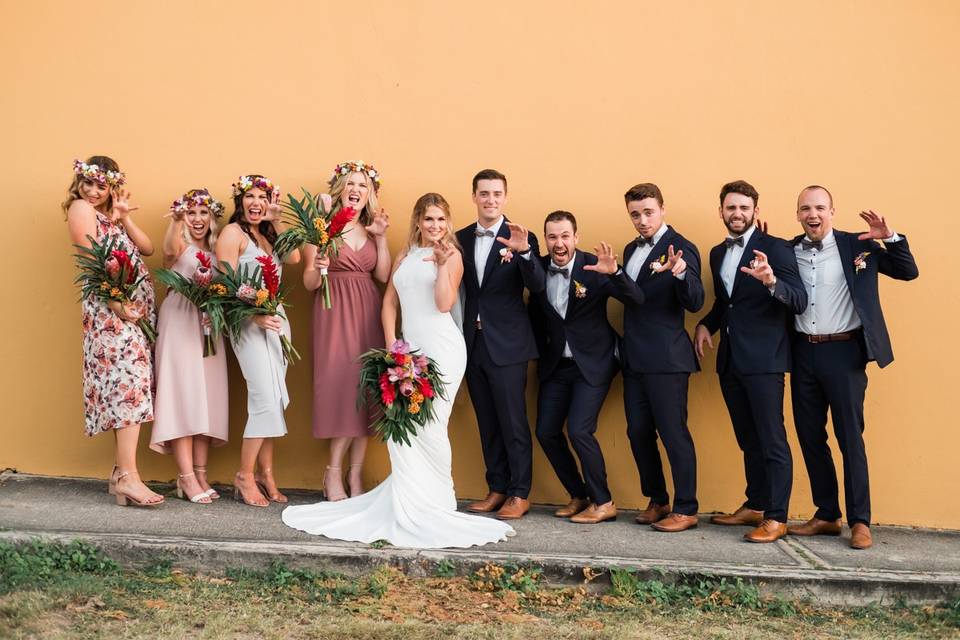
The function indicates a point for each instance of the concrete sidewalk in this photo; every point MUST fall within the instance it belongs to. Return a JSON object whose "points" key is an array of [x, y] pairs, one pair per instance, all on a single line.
{"points": [[913, 565]]}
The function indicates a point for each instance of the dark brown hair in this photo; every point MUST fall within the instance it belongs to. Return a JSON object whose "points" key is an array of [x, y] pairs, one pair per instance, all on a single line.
{"points": [[643, 191], [560, 216], [265, 228], [489, 174], [742, 187]]}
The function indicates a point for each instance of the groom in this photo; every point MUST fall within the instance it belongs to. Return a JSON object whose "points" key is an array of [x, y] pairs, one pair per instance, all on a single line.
{"points": [[497, 266]]}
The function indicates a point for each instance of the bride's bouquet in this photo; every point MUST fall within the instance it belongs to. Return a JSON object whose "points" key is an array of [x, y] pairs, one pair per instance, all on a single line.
{"points": [[311, 223], [202, 290], [402, 385], [251, 293], [110, 274]]}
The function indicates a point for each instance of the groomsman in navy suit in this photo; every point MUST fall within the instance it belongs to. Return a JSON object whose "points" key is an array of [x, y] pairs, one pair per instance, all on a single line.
{"points": [[658, 359], [840, 331], [757, 288], [577, 361], [500, 342]]}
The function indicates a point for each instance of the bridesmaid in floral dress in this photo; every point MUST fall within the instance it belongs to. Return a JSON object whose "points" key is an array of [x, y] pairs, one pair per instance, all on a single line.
{"points": [[191, 406], [117, 371], [352, 326]]}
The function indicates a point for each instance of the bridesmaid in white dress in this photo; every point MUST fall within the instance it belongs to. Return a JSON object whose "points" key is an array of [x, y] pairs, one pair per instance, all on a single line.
{"points": [[252, 231], [415, 506]]}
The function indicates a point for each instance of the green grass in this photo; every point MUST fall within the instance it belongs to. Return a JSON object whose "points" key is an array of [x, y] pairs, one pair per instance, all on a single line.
{"points": [[74, 591]]}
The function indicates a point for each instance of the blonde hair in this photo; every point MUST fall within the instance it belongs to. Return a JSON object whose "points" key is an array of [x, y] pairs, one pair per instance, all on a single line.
{"points": [[73, 191], [337, 185], [212, 232], [423, 203]]}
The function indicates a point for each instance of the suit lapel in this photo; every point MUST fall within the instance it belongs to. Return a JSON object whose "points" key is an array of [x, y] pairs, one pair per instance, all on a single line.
{"points": [[745, 260], [659, 249], [469, 244], [628, 253], [576, 275], [846, 256], [494, 254]]}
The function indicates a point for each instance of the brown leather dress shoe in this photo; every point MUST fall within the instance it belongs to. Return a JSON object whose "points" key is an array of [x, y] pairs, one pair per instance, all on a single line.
{"points": [[594, 514], [653, 513], [860, 537], [492, 502], [816, 527], [675, 522], [768, 531], [513, 508], [741, 516], [575, 506]]}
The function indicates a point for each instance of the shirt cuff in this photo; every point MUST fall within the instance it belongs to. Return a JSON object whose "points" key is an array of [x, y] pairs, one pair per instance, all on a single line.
{"points": [[682, 276], [526, 254], [894, 238]]}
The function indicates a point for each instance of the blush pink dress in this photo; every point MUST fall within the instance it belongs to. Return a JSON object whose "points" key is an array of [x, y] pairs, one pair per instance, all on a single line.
{"points": [[340, 336], [191, 397]]}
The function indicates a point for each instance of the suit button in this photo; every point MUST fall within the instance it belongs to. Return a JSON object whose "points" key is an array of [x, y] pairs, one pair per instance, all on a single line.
{"points": [[730, 305]]}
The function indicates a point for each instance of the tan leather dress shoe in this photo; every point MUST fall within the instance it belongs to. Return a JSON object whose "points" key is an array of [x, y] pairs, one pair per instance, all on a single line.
{"points": [[513, 508], [675, 522], [594, 514], [492, 502], [768, 531], [816, 527], [575, 506], [653, 513], [860, 536], [740, 517]]}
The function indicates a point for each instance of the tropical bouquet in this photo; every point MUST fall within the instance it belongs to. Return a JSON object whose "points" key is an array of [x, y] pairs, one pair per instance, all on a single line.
{"points": [[401, 385], [311, 223], [109, 273], [251, 292], [202, 290]]}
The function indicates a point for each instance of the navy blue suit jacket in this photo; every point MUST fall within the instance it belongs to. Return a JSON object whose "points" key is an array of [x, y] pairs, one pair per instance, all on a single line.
{"points": [[753, 324], [585, 327], [654, 337], [499, 301], [892, 259]]}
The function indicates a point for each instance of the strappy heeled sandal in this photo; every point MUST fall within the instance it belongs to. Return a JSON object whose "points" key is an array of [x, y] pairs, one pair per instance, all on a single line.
{"points": [[238, 494], [211, 491], [361, 492], [124, 498], [112, 482], [326, 491], [200, 498], [272, 497]]}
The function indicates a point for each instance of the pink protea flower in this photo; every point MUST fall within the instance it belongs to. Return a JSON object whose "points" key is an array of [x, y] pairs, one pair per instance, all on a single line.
{"points": [[406, 388], [247, 293], [113, 267]]}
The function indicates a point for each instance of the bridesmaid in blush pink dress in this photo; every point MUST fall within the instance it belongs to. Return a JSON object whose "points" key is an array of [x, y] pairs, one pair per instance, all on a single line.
{"points": [[190, 411], [352, 326]]}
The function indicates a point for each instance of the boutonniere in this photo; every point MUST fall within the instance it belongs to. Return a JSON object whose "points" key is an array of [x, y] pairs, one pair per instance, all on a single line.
{"points": [[506, 255], [657, 265], [579, 290], [860, 262]]}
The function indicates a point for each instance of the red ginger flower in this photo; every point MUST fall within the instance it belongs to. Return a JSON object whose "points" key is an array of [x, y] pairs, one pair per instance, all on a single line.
{"points": [[425, 387], [204, 260], [341, 219], [271, 279], [123, 261], [387, 392]]}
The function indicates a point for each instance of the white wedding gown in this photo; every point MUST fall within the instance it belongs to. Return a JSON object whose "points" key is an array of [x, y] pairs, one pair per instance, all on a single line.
{"points": [[415, 506]]}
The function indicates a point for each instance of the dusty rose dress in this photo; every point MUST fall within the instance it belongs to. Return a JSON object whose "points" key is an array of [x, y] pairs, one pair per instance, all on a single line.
{"points": [[191, 398], [117, 368], [340, 336]]}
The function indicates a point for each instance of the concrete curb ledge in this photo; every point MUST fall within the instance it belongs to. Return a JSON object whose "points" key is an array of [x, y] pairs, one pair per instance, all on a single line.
{"points": [[828, 586]]}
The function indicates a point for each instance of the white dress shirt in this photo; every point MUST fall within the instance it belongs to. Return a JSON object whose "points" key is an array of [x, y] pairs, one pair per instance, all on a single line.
{"points": [[558, 293], [639, 257], [482, 247], [731, 261]]}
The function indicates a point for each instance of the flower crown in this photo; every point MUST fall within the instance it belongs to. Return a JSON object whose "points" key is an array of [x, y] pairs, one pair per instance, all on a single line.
{"points": [[113, 179], [197, 198], [245, 183], [359, 166]]}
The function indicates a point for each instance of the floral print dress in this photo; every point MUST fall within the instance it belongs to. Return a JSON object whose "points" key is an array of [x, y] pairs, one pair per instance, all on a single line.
{"points": [[117, 361]]}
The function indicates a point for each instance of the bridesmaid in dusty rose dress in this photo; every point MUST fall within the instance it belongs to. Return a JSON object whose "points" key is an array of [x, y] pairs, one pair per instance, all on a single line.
{"points": [[117, 372], [341, 334], [190, 411]]}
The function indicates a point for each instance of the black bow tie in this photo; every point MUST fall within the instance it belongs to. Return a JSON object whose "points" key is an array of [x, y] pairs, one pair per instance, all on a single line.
{"points": [[729, 242], [643, 242], [486, 232], [558, 271], [811, 244]]}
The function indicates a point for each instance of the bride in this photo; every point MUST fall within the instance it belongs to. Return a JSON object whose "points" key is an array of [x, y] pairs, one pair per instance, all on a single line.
{"points": [[415, 506]]}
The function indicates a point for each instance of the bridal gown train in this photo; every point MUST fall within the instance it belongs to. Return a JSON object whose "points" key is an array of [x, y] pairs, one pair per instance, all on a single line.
{"points": [[415, 506]]}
